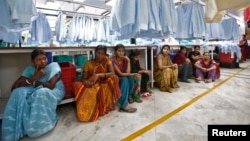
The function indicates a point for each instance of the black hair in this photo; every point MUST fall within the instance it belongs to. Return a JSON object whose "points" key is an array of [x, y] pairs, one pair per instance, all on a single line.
{"points": [[36, 52], [133, 53], [182, 47], [101, 47], [164, 46], [197, 46], [119, 46]]}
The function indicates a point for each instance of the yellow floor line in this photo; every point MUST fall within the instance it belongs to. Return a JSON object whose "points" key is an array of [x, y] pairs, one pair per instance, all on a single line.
{"points": [[169, 115]]}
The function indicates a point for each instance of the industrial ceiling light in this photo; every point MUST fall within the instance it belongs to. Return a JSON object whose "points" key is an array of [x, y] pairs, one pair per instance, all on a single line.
{"points": [[51, 4], [79, 0], [80, 9]]}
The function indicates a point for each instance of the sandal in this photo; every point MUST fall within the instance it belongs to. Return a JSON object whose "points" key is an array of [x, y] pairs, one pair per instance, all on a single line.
{"points": [[145, 94], [208, 81], [128, 110], [138, 100], [176, 86], [187, 81], [130, 100], [112, 108], [197, 80]]}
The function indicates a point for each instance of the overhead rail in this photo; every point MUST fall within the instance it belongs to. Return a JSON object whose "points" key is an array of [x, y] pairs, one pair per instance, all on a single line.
{"points": [[106, 7], [74, 12]]}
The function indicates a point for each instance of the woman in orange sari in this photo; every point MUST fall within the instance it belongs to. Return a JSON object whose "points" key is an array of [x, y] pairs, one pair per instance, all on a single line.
{"points": [[99, 89]]}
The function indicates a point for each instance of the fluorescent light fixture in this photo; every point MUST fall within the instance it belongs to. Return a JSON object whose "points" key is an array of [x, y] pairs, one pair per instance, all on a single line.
{"points": [[79, 0], [80, 9], [52, 4], [105, 13], [111, 3]]}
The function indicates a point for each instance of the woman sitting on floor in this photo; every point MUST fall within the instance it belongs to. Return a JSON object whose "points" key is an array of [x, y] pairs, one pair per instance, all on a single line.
{"points": [[165, 72], [184, 65], [31, 108], [136, 68], [129, 82], [99, 90], [207, 69]]}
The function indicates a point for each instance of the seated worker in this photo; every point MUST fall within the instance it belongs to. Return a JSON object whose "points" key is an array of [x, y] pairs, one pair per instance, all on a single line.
{"points": [[99, 90], [129, 82], [207, 69], [165, 72], [136, 68], [184, 65], [31, 108], [194, 56]]}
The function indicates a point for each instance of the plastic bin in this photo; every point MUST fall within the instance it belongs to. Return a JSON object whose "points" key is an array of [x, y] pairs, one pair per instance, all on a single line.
{"points": [[227, 62], [62, 58], [80, 60], [68, 77], [49, 57]]}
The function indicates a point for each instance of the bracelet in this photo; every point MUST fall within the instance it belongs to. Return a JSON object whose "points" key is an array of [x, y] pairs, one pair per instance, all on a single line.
{"points": [[27, 81], [34, 83], [105, 75]]}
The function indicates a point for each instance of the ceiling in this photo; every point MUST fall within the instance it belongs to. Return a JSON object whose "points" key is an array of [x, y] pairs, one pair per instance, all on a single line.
{"points": [[70, 7]]}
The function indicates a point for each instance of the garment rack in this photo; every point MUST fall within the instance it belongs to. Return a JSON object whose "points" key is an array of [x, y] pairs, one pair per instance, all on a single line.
{"points": [[86, 4], [74, 12]]}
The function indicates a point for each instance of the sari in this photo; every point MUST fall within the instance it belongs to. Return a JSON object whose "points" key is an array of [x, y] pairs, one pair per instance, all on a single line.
{"points": [[93, 102], [32, 110], [166, 79]]}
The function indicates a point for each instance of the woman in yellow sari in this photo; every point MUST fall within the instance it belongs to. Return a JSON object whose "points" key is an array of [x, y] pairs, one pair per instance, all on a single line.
{"points": [[99, 89], [165, 72]]}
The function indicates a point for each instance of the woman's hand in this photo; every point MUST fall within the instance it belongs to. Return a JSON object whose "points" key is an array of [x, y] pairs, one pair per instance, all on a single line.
{"points": [[91, 81], [187, 60], [175, 66], [137, 75], [39, 73], [148, 72]]}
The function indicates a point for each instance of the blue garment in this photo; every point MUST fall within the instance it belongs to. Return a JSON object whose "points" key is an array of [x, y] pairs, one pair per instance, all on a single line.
{"points": [[41, 31], [15, 17], [32, 110], [168, 17], [61, 28], [8, 36], [231, 29], [22, 11], [122, 20], [154, 18], [214, 31], [72, 29], [190, 21], [126, 84]]}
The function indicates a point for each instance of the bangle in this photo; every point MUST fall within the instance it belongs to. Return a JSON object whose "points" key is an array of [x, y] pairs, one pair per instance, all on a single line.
{"points": [[105, 75], [34, 83], [27, 81]]}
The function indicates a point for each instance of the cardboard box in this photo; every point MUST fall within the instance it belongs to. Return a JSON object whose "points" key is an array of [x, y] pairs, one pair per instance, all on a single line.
{"points": [[247, 32], [248, 37]]}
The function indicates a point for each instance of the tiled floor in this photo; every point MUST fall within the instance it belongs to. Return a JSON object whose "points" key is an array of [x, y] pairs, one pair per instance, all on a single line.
{"points": [[179, 116]]}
